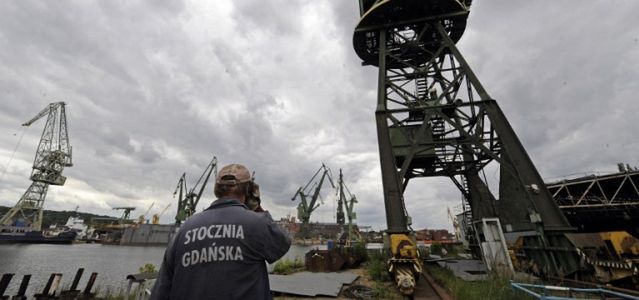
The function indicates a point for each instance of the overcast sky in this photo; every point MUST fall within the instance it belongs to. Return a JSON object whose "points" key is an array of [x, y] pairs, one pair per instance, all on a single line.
{"points": [[156, 88]]}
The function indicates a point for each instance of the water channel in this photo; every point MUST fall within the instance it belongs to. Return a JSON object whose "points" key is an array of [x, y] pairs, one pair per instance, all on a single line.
{"points": [[113, 263]]}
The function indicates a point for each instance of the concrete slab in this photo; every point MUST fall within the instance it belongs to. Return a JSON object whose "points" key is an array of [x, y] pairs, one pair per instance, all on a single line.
{"points": [[311, 284], [466, 269]]}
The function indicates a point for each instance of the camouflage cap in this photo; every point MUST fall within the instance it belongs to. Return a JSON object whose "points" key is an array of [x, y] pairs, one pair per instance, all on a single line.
{"points": [[233, 174]]}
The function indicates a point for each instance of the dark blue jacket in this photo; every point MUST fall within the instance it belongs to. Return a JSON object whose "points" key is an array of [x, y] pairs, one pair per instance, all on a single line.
{"points": [[220, 253]]}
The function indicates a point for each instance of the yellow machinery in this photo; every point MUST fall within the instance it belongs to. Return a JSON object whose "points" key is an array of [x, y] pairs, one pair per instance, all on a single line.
{"points": [[404, 263], [623, 244], [142, 218], [156, 217], [613, 255]]}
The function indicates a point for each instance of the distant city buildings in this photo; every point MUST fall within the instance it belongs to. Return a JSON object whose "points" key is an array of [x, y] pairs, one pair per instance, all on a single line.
{"points": [[332, 230], [317, 229]]}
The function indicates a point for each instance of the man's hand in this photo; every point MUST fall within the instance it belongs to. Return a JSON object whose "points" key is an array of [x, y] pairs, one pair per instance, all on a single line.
{"points": [[254, 202], [255, 205]]}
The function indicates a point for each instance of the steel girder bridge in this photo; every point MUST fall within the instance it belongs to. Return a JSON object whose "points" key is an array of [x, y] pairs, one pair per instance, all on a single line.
{"points": [[434, 118], [600, 203]]}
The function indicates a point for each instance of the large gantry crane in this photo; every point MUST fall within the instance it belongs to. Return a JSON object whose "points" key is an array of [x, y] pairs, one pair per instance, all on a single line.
{"points": [[434, 118], [306, 207], [126, 214], [188, 199], [52, 156]]}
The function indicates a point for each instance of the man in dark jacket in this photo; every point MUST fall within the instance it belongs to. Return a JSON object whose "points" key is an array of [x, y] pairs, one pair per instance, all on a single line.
{"points": [[220, 252]]}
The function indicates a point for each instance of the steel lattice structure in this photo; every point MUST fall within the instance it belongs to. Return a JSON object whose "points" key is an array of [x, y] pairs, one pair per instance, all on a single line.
{"points": [[434, 118], [52, 156], [600, 203]]}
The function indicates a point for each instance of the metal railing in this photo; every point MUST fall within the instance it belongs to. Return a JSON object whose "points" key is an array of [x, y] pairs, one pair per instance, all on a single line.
{"points": [[545, 292]]}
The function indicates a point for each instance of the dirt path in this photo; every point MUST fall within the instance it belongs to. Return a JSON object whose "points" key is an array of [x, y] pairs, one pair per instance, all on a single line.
{"points": [[425, 291], [427, 288]]}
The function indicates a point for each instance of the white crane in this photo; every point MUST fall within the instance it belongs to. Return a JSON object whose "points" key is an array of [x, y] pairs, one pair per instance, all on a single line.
{"points": [[52, 156]]}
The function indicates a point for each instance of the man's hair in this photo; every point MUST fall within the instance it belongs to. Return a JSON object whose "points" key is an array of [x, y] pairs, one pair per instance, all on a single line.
{"points": [[224, 190]]}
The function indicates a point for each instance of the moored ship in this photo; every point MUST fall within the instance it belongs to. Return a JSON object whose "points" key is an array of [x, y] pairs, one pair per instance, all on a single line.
{"points": [[23, 235]]}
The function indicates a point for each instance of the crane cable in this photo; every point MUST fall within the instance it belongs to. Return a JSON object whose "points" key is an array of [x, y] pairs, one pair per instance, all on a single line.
{"points": [[6, 168]]}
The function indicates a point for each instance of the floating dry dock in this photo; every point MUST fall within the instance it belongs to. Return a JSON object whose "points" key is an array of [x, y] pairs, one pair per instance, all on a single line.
{"points": [[147, 234]]}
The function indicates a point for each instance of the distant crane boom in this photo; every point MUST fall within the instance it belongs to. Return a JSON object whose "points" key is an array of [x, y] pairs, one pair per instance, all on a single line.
{"points": [[306, 207], [156, 217], [181, 186], [188, 199], [164, 210], [149, 209], [142, 217], [348, 200]]}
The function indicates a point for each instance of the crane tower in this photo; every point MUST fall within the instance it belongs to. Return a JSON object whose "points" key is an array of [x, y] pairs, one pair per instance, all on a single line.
{"points": [[348, 200], [52, 156], [306, 207], [434, 118], [188, 199]]}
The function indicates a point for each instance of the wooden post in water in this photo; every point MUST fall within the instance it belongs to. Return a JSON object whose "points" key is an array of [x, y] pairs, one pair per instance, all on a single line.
{"points": [[73, 292], [51, 288], [86, 294], [4, 283], [23, 288]]}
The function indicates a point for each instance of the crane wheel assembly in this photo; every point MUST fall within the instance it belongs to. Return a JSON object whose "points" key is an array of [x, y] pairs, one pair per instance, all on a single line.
{"points": [[404, 264]]}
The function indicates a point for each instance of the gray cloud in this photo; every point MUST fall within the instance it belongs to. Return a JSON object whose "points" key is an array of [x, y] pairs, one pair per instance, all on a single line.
{"points": [[156, 89]]}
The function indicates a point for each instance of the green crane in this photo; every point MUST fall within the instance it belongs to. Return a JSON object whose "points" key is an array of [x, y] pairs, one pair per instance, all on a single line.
{"points": [[306, 207], [126, 213], [188, 199], [348, 200]]}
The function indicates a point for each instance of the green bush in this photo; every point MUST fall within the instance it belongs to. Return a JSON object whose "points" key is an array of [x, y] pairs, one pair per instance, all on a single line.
{"points": [[147, 268], [287, 266], [359, 249], [376, 267], [436, 248]]}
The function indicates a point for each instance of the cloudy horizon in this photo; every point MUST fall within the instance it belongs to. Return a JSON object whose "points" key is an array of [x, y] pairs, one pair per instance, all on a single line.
{"points": [[157, 89]]}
